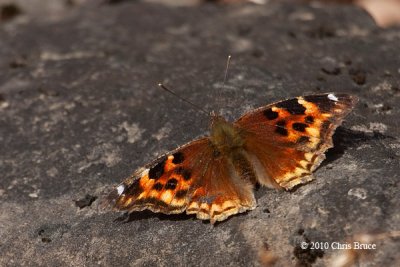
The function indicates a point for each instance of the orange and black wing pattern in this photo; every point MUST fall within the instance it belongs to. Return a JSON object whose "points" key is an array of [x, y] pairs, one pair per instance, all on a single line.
{"points": [[288, 139], [194, 178]]}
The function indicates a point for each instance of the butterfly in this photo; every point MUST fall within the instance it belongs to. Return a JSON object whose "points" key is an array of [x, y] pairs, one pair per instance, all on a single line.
{"points": [[277, 145]]}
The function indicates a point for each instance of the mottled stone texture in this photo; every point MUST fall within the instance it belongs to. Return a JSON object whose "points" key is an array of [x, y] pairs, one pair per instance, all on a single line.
{"points": [[80, 110]]}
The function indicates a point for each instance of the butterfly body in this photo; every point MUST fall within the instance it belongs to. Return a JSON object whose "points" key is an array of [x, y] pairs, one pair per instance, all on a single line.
{"points": [[224, 135], [228, 140], [278, 145]]}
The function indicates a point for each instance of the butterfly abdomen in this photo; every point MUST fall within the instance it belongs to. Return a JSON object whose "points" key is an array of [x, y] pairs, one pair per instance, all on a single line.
{"points": [[243, 166]]}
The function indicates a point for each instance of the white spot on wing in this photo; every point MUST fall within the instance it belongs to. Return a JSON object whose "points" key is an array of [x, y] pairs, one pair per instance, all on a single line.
{"points": [[120, 189], [333, 97]]}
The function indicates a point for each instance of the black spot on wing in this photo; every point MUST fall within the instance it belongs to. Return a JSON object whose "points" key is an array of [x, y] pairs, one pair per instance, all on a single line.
{"points": [[157, 170], [309, 120], [171, 184], [270, 114], [134, 189], [178, 158], [300, 127], [186, 174], [280, 128], [322, 101], [292, 106], [181, 194], [158, 186]]}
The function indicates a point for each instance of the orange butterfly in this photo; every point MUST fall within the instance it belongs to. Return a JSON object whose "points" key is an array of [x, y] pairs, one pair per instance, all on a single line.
{"points": [[278, 145]]}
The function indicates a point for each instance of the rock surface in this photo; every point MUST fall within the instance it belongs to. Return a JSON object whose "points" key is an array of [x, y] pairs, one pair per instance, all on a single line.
{"points": [[80, 110]]}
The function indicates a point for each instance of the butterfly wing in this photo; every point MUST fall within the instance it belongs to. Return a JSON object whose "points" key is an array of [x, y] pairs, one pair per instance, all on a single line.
{"points": [[194, 178], [286, 140]]}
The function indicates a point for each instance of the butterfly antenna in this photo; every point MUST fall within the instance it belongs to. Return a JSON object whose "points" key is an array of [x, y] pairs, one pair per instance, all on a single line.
{"points": [[219, 94], [226, 70], [184, 99]]}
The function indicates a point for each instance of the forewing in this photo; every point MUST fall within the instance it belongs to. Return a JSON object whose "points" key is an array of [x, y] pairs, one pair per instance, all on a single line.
{"points": [[195, 178], [287, 139]]}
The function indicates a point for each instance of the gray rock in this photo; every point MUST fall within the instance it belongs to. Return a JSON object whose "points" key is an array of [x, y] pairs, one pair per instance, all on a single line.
{"points": [[80, 110]]}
